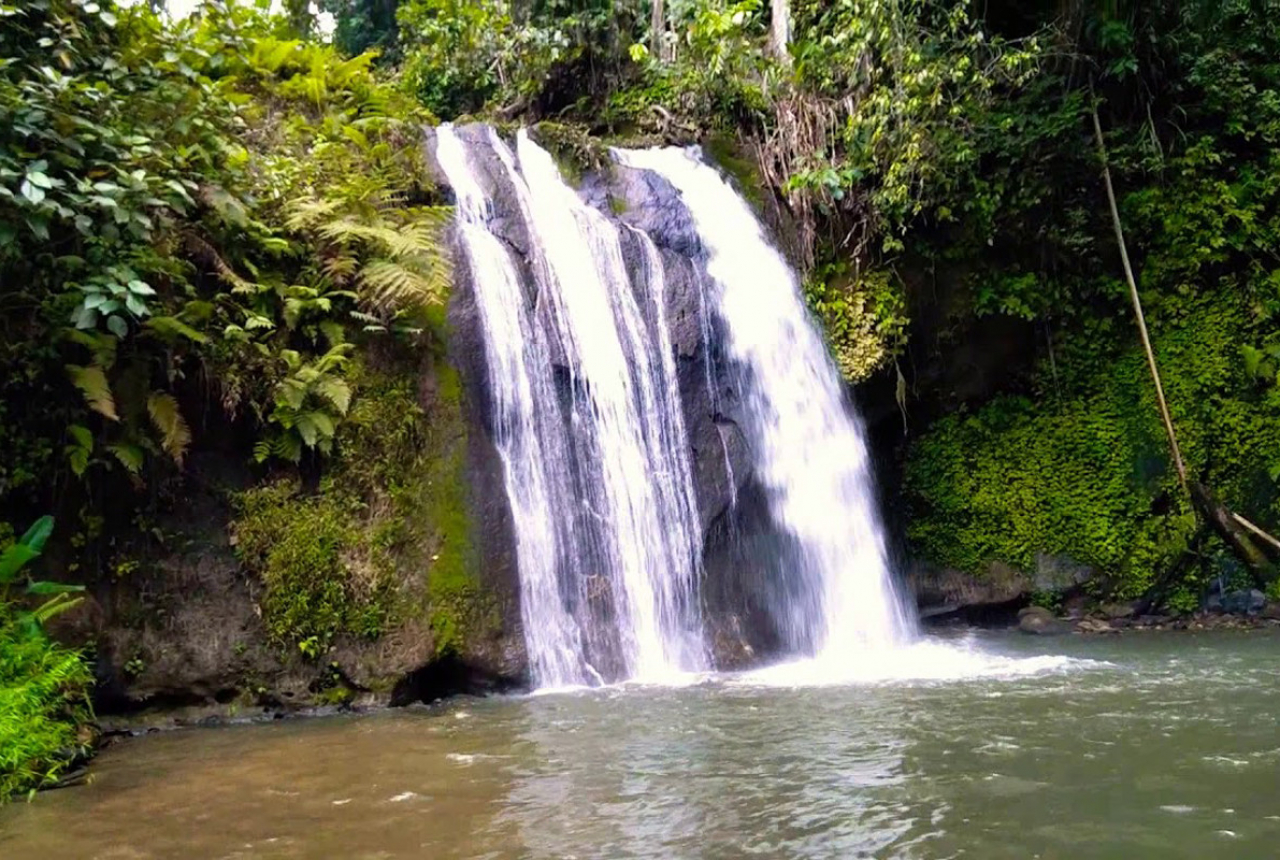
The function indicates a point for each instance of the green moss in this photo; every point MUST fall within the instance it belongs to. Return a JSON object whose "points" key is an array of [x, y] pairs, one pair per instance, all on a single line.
{"points": [[387, 540], [322, 575], [723, 150], [1084, 471], [574, 149]]}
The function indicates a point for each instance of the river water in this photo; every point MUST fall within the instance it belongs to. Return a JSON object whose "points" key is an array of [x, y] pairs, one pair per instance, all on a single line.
{"points": [[1142, 746]]}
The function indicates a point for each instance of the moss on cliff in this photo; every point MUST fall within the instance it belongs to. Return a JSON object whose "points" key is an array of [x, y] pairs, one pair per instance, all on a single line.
{"points": [[385, 540]]}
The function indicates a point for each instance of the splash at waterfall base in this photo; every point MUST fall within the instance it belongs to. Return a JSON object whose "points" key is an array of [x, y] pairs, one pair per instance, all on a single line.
{"points": [[687, 486]]}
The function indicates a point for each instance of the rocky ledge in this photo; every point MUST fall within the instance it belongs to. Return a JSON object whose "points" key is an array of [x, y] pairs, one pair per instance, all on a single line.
{"points": [[1117, 618]]}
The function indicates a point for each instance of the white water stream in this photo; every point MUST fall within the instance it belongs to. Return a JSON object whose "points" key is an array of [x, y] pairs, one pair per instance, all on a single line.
{"points": [[588, 422]]}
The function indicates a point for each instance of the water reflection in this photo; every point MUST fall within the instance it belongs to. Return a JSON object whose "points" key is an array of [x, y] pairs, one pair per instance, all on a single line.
{"points": [[708, 772]]}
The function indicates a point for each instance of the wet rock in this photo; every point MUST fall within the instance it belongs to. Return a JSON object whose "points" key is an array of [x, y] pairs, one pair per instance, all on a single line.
{"points": [[953, 592], [1060, 573], [1244, 602], [1271, 611], [1112, 611], [1095, 625], [1038, 621]]}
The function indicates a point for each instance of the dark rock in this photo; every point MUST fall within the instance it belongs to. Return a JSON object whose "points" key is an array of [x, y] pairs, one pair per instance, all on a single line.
{"points": [[1244, 602], [1059, 573], [1271, 611], [1029, 611], [1039, 621], [935, 586], [1113, 611]]}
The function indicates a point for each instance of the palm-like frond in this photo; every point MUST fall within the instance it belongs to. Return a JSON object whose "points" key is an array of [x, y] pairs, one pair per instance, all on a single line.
{"points": [[388, 285], [165, 415]]}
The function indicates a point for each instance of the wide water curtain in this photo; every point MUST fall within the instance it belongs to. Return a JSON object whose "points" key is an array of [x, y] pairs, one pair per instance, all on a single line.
{"points": [[587, 417]]}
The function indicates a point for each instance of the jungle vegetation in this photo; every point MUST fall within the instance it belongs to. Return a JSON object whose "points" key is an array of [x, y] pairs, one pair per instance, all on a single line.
{"points": [[211, 227]]}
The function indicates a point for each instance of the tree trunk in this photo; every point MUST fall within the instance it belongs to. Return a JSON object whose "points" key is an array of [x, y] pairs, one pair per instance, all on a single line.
{"points": [[781, 31], [658, 32]]}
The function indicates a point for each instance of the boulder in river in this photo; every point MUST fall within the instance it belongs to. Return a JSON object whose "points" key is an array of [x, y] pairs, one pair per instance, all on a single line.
{"points": [[1112, 611], [1038, 621]]}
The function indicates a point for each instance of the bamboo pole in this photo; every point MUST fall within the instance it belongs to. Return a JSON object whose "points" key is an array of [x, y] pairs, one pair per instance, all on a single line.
{"points": [[1137, 303]]}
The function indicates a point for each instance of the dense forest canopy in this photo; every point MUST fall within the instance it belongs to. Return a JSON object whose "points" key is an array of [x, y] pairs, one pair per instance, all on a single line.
{"points": [[215, 228]]}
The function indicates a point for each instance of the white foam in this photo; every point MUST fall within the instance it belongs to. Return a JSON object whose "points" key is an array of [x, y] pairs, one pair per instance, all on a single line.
{"points": [[921, 661]]}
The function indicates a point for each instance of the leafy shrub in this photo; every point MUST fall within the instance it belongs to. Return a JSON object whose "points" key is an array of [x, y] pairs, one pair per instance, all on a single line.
{"points": [[43, 703], [43, 687], [320, 576]]}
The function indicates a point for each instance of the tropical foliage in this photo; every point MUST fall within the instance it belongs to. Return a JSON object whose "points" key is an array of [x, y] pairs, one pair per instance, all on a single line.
{"points": [[43, 687]]}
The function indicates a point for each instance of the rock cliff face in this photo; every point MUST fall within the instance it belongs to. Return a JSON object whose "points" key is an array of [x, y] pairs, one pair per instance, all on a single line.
{"points": [[730, 507]]}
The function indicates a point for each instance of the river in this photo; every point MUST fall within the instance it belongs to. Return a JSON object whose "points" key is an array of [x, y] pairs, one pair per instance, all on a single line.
{"points": [[1149, 745]]}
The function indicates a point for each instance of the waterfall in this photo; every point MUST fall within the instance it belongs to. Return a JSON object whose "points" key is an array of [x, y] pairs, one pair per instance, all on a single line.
{"points": [[808, 446], [529, 431], [600, 486], [587, 417]]}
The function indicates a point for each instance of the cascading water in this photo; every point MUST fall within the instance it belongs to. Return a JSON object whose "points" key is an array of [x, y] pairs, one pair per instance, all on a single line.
{"points": [[529, 429], [807, 446], [608, 544]]}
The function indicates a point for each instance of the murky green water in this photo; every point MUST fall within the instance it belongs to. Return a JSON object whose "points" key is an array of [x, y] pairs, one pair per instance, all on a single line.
{"points": [[1163, 746]]}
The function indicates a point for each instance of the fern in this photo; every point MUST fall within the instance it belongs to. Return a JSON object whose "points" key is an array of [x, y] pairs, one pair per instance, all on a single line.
{"points": [[92, 382], [336, 391], [168, 421], [129, 456]]}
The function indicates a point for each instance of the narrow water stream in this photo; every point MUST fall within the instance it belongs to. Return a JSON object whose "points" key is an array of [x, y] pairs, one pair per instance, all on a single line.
{"points": [[1143, 746]]}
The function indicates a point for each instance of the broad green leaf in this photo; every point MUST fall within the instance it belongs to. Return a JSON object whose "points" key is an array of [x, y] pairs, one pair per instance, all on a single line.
{"points": [[53, 588], [81, 435], [13, 560], [32, 192], [118, 326], [38, 534]]}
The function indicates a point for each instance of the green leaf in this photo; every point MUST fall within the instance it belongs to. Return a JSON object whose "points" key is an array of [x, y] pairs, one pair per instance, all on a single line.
{"points": [[129, 456], [172, 328], [307, 429], [168, 420], [39, 179], [141, 288], [36, 536], [92, 382], [136, 306], [13, 560], [32, 192], [53, 588], [117, 325], [336, 391]]}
